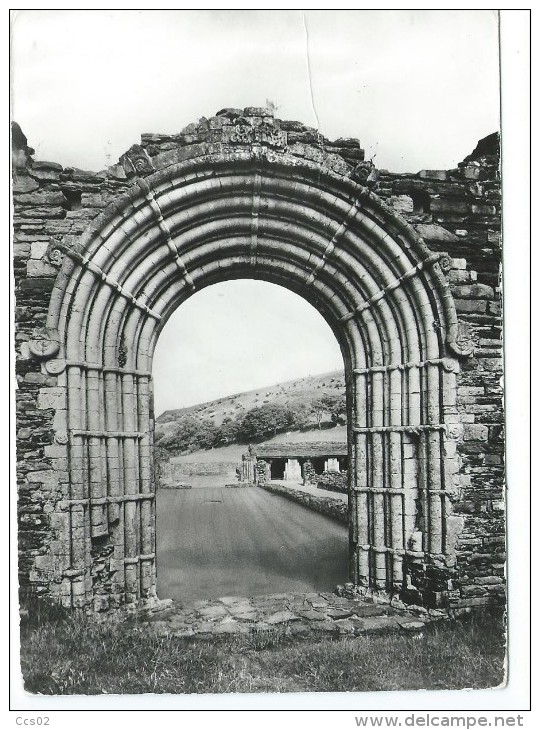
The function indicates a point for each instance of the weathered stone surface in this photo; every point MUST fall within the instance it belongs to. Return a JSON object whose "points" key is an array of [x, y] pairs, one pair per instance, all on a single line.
{"points": [[474, 291], [432, 232], [467, 306], [40, 269], [339, 613], [281, 617], [475, 432], [433, 174], [313, 615], [24, 184], [411, 625], [213, 611], [376, 625]]}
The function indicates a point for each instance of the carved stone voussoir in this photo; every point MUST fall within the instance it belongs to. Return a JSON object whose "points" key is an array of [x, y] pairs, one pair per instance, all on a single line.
{"points": [[136, 161], [264, 134]]}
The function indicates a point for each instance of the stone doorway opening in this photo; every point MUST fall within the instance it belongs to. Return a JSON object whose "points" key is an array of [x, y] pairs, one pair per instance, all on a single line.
{"points": [[277, 469], [216, 534], [290, 215]]}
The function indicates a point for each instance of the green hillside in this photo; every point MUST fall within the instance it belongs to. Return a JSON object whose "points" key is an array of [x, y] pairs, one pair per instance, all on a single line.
{"points": [[232, 454], [299, 390], [303, 404]]}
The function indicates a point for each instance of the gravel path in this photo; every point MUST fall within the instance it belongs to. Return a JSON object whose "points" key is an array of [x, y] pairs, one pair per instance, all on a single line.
{"points": [[221, 542]]}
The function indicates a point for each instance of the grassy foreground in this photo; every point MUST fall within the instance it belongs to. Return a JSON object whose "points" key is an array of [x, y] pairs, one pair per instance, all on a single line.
{"points": [[78, 655]]}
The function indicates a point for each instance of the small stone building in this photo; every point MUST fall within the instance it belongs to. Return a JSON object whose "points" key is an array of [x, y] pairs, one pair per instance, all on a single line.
{"points": [[300, 462]]}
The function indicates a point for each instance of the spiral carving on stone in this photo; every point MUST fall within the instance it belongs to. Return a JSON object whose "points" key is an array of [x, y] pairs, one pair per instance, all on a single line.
{"points": [[450, 365], [54, 254], [55, 367], [445, 262], [462, 344], [454, 430], [45, 343]]}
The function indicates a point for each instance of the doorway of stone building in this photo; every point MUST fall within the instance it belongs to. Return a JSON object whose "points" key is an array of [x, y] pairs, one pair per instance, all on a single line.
{"points": [[238, 350], [277, 469]]}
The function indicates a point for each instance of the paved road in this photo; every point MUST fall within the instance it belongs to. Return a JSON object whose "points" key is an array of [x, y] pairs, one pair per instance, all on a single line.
{"points": [[223, 542]]}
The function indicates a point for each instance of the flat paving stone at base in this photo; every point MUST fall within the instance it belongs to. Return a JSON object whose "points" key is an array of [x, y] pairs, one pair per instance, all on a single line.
{"points": [[411, 625], [295, 612], [213, 611], [369, 610], [339, 613], [313, 615], [246, 616], [377, 624], [281, 617]]}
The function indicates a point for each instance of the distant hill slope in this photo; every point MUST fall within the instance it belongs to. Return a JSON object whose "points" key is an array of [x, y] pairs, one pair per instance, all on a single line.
{"points": [[232, 454], [293, 391]]}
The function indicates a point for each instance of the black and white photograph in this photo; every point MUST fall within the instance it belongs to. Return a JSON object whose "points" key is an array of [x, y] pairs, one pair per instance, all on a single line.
{"points": [[260, 401]]}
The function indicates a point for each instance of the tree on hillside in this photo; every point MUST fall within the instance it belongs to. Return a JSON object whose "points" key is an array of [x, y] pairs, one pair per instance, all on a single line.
{"points": [[228, 432], [333, 405], [266, 420], [303, 415], [319, 409], [336, 406], [190, 433]]}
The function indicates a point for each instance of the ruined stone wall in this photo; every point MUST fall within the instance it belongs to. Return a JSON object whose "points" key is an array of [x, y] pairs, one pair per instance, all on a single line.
{"points": [[456, 211], [459, 212], [50, 205], [333, 481], [337, 509]]}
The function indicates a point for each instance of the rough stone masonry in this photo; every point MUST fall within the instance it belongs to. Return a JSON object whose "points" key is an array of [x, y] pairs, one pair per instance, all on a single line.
{"points": [[406, 269]]}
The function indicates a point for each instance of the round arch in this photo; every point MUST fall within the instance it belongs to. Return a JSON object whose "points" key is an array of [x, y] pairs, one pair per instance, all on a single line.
{"points": [[256, 213]]}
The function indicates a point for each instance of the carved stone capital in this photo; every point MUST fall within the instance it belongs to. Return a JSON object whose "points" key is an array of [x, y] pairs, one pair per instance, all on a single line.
{"points": [[462, 345], [45, 343]]}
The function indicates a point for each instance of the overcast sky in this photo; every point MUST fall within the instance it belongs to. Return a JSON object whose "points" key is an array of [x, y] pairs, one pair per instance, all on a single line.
{"points": [[418, 88]]}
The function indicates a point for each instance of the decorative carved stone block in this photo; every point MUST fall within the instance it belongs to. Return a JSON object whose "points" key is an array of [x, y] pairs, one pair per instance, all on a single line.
{"points": [[45, 343]]}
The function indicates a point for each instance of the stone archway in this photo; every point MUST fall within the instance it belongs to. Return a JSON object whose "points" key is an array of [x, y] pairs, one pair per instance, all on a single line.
{"points": [[208, 213]]}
